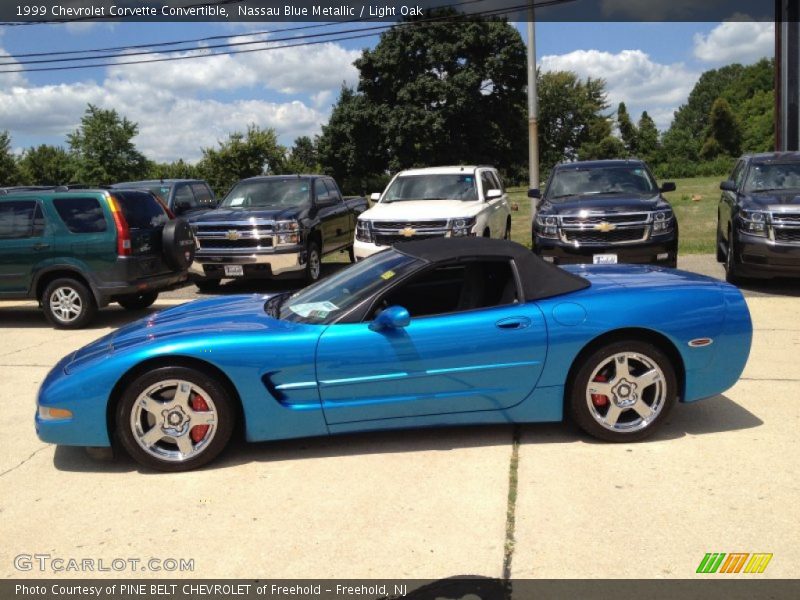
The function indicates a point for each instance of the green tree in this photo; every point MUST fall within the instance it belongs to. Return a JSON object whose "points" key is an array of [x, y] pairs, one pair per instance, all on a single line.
{"points": [[47, 165], [9, 172], [104, 150], [627, 130], [648, 143], [178, 169], [242, 155], [303, 157], [724, 134]]}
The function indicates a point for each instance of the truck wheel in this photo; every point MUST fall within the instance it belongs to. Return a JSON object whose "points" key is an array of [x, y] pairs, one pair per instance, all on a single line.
{"points": [[507, 234], [313, 263], [731, 267], [137, 301], [351, 251], [68, 304]]}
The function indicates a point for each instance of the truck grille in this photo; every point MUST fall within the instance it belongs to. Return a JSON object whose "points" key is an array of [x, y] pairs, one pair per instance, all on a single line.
{"points": [[441, 224], [243, 243], [787, 236], [388, 232], [383, 239], [635, 218], [618, 236], [235, 236]]}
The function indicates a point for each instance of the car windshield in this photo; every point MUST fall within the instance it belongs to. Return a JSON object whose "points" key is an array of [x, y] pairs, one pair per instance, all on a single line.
{"points": [[773, 176], [330, 298], [455, 186], [268, 193], [600, 180]]}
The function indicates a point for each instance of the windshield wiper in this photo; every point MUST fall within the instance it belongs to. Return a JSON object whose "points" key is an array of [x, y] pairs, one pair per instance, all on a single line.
{"points": [[273, 305]]}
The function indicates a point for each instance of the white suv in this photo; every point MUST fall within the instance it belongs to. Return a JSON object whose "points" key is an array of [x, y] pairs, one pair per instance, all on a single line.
{"points": [[435, 202]]}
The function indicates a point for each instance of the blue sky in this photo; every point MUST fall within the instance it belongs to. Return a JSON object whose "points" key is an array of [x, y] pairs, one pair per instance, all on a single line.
{"points": [[185, 105]]}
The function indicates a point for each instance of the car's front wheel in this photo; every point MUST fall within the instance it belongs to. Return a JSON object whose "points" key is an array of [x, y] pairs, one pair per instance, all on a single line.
{"points": [[731, 265], [313, 263], [623, 391], [175, 419]]}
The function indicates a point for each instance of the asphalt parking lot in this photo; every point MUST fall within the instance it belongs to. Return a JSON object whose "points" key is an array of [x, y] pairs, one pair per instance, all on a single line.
{"points": [[539, 501]]}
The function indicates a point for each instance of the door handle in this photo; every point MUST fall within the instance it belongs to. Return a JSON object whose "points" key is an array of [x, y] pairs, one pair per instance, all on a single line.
{"points": [[40, 246], [513, 323]]}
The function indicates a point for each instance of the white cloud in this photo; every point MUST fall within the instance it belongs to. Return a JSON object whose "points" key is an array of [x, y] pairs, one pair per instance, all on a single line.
{"points": [[9, 80], [632, 77], [175, 104], [736, 41]]}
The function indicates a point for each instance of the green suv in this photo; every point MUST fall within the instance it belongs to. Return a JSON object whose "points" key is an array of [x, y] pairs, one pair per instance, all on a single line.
{"points": [[79, 250]]}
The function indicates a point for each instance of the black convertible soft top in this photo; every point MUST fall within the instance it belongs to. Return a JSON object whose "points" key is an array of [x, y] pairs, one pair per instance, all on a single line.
{"points": [[539, 278]]}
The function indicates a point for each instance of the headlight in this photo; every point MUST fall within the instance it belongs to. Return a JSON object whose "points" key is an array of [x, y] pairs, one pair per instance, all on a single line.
{"points": [[462, 227], [546, 226], [753, 222], [287, 233], [364, 231], [663, 221]]}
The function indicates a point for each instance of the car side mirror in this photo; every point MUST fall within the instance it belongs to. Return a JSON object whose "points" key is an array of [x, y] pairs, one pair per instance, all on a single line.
{"points": [[182, 206], [325, 202], [394, 317], [492, 194], [668, 186], [728, 186], [534, 193], [375, 196]]}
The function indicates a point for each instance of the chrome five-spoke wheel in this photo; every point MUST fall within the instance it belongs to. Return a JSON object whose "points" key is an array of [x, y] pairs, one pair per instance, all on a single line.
{"points": [[175, 418], [621, 392]]}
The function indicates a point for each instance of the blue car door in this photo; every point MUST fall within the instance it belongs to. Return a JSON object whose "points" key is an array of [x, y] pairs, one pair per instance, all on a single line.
{"points": [[476, 360]]}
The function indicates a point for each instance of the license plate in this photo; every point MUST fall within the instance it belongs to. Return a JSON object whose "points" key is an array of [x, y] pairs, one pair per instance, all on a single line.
{"points": [[234, 271], [605, 259]]}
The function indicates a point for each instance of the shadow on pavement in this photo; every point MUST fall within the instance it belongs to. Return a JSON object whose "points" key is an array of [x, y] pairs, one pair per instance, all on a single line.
{"points": [[29, 317], [772, 287]]}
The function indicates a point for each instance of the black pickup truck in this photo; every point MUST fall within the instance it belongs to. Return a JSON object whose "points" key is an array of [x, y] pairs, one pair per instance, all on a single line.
{"points": [[274, 226]]}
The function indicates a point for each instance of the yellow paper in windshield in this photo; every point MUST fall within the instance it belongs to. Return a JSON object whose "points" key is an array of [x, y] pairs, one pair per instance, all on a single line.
{"points": [[388, 275]]}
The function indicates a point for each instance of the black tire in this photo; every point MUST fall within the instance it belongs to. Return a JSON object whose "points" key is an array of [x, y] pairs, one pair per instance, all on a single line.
{"points": [[157, 457], [178, 244], [62, 293], [207, 285], [731, 267], [630, 425], [313, 262], [487, 233], [507, 234], [351, 252], [137, 301], [720, 253]]}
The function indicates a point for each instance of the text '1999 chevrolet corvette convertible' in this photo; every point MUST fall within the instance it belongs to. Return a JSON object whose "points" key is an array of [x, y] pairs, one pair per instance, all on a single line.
{"points": [[428, 333]]}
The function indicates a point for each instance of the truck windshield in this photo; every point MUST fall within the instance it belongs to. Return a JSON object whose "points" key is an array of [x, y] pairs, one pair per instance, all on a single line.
{"points": [[601, 180], [455, 186], [268, 193], [773, 176], [330, 298]]}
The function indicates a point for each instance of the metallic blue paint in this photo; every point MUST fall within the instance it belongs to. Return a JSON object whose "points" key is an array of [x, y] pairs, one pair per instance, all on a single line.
{"points": [[499, 365]]}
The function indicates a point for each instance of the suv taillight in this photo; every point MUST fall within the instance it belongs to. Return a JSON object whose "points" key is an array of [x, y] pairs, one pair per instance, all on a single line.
{"points": [[123, 231]]}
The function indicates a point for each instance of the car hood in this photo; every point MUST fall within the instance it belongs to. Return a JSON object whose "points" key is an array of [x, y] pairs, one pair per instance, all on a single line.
{"points": [[423, 209], [231, 314], [606, 203], [772, 200], [243, 214]]}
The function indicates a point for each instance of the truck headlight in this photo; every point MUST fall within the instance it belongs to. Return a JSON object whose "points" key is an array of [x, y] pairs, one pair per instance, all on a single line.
{"points": [[462, 227], [753, 222], [364, 231], [287, 233], [546, 226], [663, 220]]}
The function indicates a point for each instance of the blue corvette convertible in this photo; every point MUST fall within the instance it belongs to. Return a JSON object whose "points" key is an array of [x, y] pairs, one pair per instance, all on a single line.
{"points": [[428, 333]]}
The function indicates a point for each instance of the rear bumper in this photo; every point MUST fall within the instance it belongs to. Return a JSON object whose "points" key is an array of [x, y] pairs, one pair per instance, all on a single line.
{"points": [[126, 278], [764, 259], [211, 265], [652, 252]]}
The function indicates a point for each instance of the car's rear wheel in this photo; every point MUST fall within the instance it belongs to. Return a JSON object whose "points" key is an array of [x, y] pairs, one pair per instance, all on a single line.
{"points": [[622, 392], [68, 304], [175, 419], [137, 301]]}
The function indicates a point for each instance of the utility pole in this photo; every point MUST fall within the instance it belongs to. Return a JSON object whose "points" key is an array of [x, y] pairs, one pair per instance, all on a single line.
{"points": [[533, 112]]}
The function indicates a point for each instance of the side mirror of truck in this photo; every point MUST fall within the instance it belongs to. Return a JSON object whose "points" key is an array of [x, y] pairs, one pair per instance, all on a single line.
{"points": [[374, 197], [728, 186], [492, 194], [667, 186]]}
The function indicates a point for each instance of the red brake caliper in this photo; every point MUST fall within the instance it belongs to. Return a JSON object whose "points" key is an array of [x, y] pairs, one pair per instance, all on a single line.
{"points": [[599, 399], [198, 432]]}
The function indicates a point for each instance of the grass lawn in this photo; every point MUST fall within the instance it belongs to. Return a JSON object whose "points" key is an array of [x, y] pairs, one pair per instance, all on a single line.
{"points": [[695, 203]]}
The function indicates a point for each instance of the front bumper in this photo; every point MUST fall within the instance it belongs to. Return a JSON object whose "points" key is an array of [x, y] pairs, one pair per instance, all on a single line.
{"points": [[761, 258], [364, 249], [211, 265], [654, 251]]}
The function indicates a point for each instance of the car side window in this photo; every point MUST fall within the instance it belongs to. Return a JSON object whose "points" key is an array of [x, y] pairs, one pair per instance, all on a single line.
{"points": [[183, 194], [486, 182], [738, 174], [321, 191], [17, 219], [498, 181], [203, 194], [81, 215], [456, 287], [333, 190]]}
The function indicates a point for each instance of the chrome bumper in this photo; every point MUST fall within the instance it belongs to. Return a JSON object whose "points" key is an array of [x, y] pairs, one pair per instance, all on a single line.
{"points": [[284, 262]]}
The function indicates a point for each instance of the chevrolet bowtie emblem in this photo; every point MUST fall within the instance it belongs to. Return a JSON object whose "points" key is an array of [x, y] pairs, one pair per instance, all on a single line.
{"points": [[605, 227], [408, 232], [233, 235]]}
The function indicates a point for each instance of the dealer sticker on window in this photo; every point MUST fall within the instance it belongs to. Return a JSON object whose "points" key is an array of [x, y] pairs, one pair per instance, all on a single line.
{"points": [[605, 259], [316, 310]]}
